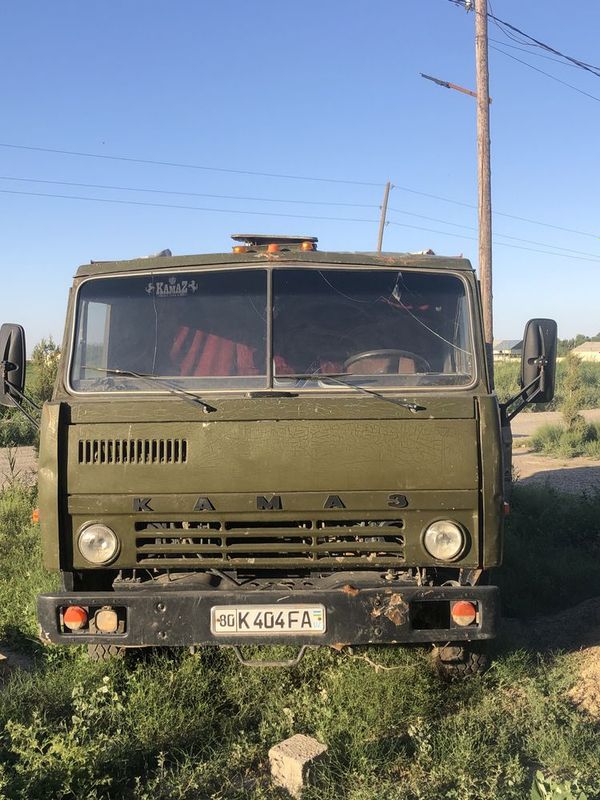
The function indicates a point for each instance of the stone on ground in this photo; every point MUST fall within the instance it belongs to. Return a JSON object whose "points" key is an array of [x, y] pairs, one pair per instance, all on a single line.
{"points": [[294, 762]]}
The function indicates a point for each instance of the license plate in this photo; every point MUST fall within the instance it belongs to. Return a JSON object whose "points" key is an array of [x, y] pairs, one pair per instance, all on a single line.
{"points": [[264, 620]]}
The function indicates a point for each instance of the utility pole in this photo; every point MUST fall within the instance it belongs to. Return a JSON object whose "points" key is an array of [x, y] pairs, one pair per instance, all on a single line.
{"points": [[484, 173], [382, 220]]}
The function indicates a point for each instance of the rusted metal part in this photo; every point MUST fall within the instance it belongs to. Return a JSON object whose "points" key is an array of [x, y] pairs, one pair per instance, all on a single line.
{"points": [[394, 607], [339, 646], [352, 591], [469, 577]]}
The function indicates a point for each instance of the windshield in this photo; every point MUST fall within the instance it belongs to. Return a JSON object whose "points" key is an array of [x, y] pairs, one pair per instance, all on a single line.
{"points": [[217, 330]]}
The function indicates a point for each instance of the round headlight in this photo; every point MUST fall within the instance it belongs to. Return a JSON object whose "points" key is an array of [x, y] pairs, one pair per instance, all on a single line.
{"points": [[444, 540], [98, 544]]}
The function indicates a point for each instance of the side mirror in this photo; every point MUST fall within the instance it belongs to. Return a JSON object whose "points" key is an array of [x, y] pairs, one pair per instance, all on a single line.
{"points": [[538, 361], [12, 364]]}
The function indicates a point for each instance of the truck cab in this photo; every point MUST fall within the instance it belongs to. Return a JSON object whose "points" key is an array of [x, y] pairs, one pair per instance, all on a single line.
{"points": [[274, 445]]}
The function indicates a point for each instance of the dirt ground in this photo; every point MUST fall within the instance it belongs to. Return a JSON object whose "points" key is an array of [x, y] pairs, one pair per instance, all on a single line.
{"points": [[575, 630], [18, 463], [564, 474]]}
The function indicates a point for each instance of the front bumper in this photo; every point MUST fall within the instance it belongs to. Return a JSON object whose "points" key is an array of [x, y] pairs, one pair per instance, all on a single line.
{"points": [[176, 617]]}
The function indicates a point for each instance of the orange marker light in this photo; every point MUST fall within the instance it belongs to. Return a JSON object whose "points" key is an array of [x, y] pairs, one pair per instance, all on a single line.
{"points": [[307, 246], [464, 612], [35, 516], [75, 618], [240, 249], [272, 248]]}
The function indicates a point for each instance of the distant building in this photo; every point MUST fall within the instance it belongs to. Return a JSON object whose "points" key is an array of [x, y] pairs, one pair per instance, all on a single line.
{"points": [[588, 351], [507, 348]]}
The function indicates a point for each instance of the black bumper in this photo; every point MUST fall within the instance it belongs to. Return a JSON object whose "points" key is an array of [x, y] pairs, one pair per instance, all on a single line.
{"points": [[182, 617]]}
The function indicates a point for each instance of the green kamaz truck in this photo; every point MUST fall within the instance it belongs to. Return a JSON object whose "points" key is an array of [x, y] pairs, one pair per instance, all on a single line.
{"points": [[275, 445]]}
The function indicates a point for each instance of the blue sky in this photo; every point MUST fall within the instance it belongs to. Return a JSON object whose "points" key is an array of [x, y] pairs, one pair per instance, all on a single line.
{"points": [[319, 89]]}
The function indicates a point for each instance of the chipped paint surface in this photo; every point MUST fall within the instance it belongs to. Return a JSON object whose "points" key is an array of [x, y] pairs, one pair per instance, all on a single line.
{"points": [[394, 607]]}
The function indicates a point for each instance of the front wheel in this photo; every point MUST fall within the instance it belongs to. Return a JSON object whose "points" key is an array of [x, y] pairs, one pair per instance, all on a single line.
{"points": [[105, 652], [460, 661]]}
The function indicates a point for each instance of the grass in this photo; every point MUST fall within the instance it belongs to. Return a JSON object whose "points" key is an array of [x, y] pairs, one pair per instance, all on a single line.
{"points": [[173, 725], [557, 441], [551, 551], [506, 376]]}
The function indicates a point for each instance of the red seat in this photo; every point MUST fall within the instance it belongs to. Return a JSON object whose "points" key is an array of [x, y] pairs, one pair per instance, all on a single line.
{"points": [[195, 352]]}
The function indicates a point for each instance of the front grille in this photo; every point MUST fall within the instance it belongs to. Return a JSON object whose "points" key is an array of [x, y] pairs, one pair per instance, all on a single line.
{"points": [[310, 543], [133, 451]]}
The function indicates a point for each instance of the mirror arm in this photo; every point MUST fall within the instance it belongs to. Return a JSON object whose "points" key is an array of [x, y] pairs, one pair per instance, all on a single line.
{"points": [[5, 368], [23, 396], [541, 362], [31, 418]]}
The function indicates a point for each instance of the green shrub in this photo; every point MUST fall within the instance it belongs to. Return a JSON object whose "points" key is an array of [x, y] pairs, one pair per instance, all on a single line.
{"points": [[549, 789], [16, 504], [22, 575], [43, 368], [15, 429], [556, 440], [506, 377]]}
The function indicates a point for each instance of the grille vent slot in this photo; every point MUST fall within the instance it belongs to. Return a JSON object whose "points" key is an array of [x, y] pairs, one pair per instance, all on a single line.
{"points": [[133, 451], [189, 544]]}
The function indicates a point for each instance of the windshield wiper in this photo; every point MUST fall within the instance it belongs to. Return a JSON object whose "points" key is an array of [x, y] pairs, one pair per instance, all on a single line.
{"points": [[151, 380], [399, 401]]}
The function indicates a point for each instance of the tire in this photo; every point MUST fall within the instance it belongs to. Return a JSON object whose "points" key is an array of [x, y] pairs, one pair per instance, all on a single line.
{"points": [[461, 661], [105, 652]]}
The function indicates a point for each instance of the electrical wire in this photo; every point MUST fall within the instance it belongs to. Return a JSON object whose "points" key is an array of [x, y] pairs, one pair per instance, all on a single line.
{"points": [[498, 213], [188, 166], [400, 187], [274, 200], [495, 242], [531, 52], [266, 214], [581, 64], [543, 72], [185, 207], [187, 194], [503, 235], [509, 30]]}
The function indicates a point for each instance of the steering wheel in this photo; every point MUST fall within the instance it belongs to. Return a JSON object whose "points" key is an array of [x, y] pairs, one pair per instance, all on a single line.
{"points": [[419, 360]]}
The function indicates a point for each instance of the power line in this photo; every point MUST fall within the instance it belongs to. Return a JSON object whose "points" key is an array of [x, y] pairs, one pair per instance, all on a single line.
{"points": [[185, 207], [547, 74], [503, 235], [188, 166], [531, 52], [500, 22], [581, 64], [281, 201], [497, 213], [407, 189], [501, 244], [268, 214], [186, 194]]}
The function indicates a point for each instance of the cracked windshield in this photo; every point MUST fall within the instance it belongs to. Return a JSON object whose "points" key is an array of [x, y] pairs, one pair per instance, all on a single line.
{"points": [[210, 330]]}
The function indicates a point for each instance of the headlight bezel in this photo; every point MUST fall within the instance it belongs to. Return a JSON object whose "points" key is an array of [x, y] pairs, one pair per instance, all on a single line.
{"points": [[464, 544], [86, 529]]}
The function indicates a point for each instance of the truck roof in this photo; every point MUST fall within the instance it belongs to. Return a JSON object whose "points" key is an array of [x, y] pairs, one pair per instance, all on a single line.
{"points": [[210, 260]]}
